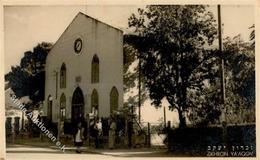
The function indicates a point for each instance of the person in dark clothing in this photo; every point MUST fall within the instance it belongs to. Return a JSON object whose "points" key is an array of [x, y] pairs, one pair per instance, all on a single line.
{"points": [[98, 132]]}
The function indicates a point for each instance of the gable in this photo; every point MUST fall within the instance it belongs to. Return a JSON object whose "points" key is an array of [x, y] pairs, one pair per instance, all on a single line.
{"points": [[78, 27]]}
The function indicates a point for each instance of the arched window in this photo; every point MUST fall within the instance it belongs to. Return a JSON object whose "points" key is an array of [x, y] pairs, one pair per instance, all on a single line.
{"points": [[49, 107], [113, 99], [62, 106], [94, 102], [63, 76], [95, 70]]}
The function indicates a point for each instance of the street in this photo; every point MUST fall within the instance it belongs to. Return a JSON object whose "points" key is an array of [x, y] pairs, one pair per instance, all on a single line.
{"points": [[17, 152], [56, 156]]}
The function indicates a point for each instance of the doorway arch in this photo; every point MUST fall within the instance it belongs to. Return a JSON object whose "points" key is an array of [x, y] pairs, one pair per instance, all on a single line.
{"points": [[77, 106]]}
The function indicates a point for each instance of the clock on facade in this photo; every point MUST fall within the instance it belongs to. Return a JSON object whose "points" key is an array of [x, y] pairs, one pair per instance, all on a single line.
{"points": [[78, 45]]}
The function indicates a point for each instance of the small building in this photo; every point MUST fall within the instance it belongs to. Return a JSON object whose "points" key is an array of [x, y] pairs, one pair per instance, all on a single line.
{"points": [[84, 71], [15, 118]]}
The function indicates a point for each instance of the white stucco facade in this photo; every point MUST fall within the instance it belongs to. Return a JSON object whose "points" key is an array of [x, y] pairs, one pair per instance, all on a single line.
{"points": [[97, 38]]}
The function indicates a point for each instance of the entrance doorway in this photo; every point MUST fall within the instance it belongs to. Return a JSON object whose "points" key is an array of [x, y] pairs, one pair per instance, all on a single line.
{"points": [[77, 106]]}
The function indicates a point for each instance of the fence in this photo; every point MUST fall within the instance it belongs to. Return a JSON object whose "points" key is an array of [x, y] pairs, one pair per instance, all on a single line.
{"points": [[197, 141], [129, 133], [157, 135]]}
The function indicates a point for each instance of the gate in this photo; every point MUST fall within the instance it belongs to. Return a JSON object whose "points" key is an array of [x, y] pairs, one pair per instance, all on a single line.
{"points": [[157, 135]]}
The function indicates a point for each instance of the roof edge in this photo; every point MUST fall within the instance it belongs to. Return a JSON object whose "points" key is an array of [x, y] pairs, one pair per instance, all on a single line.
{"points": [[100, 21], [62, 34], [72, 22]]}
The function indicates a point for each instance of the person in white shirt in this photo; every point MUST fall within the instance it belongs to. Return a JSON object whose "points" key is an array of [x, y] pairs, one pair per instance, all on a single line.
{"points": [[98, 129], [78, 138]]}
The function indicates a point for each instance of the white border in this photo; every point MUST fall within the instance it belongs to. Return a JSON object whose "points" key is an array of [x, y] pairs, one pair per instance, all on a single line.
{"points": [[125, 2]]}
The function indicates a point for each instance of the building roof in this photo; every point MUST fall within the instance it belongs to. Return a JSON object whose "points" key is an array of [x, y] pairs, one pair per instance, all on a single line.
{"points": [[80, 13], [99, 21]]}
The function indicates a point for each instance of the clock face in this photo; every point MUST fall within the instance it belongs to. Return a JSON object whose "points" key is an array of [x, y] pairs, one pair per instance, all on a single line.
{"points": [[78, 45]]}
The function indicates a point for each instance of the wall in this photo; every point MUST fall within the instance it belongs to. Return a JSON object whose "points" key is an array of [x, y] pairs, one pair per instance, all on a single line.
{"points": [[98, 38]]}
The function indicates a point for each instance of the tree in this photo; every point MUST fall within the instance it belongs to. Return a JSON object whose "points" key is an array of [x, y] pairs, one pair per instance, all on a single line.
{"points": [[240, 79], [239, 86], [173, 41], [28, 79], [131, 77], [19, 81], [252, 36], [240, 68]]}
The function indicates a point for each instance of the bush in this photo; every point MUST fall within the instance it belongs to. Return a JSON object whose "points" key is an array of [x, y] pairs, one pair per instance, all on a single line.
{"points": [[195, 141]]}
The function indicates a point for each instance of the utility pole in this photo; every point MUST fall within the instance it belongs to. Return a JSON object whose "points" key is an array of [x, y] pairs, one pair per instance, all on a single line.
{"points": [[139, 89], [56, 96], [164, 117], [56, 78], [222, 68], [22, 122]]}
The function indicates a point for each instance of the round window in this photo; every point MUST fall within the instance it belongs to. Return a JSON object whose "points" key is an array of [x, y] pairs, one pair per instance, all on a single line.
{"points": [[78, 45]]}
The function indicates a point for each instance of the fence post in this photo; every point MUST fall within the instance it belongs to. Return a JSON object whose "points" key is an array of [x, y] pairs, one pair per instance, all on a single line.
{"points": [[149, 135], [224, 133], [8, 126], [169, 125], [130, 128], [16, 126], [164, 117], [168, 135]]}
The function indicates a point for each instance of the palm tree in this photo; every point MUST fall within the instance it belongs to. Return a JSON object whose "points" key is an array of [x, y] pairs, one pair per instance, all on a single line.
{"points": [[252, 35]]}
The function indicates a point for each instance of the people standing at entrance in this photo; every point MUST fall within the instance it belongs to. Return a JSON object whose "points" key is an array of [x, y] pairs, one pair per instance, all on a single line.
{"points": [[100, 132], [92, 130], [99, 127], [78, 137], [112, 133]]}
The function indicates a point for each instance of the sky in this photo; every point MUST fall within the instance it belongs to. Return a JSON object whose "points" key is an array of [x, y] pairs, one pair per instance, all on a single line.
{"points": [[25, 26]]}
